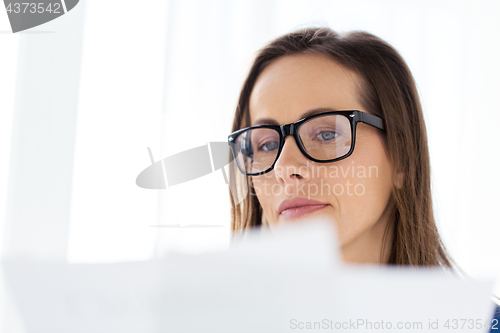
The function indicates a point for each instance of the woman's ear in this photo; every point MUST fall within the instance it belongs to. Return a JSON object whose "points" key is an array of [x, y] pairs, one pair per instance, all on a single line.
{"points": [[399, 180]]}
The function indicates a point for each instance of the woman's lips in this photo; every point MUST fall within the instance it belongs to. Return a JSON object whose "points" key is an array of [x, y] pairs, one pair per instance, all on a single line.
{"points": [[300, 211], [299, 207]]}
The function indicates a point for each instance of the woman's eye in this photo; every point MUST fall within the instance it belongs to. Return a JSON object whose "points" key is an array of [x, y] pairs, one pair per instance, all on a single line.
{"points": [[326, 135], [268, 146]]}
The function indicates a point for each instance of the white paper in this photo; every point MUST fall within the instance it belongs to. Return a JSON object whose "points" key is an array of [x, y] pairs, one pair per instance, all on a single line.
{"points": [[275, 284]]}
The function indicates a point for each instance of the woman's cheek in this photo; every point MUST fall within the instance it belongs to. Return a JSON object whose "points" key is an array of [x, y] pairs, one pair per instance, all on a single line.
{"points": [[256, 189], [261, 187]]}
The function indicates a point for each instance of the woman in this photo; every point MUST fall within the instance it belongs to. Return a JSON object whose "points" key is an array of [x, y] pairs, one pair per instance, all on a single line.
{"points": [[353, 148]]}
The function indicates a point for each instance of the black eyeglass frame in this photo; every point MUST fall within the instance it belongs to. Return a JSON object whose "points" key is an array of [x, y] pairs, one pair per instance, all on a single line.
{"points": [[292, 129]]}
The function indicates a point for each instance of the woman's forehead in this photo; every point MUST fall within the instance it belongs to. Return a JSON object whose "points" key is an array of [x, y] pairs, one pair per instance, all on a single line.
{"points": [[292, 85]]}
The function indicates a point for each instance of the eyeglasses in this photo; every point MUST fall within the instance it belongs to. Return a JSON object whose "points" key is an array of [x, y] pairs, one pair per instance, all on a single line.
{"points": [[325, 137]]}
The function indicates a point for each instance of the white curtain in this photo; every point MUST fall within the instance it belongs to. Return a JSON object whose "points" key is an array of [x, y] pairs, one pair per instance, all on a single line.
{"points": [[166, 75]]}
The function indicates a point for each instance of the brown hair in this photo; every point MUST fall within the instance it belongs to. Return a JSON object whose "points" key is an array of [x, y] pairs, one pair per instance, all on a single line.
{"points": [[388, 91]]}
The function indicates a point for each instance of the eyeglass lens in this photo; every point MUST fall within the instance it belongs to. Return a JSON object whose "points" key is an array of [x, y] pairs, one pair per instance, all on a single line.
{"points": [[323, 138]]}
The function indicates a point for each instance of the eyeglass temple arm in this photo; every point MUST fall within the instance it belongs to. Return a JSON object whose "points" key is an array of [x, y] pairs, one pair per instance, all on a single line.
{"points": [[371, 120]]}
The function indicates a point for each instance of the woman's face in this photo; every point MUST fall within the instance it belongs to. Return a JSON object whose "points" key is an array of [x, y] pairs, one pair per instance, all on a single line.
{"points": [[354, 192]]}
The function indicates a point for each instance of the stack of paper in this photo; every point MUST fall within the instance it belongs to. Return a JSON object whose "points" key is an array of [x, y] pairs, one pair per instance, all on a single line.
{"points": [[286, 281]]}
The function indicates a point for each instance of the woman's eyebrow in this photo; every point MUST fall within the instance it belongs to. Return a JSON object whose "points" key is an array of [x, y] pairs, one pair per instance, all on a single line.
{"points": [[316, 111], [265, 121], [271, 121]]}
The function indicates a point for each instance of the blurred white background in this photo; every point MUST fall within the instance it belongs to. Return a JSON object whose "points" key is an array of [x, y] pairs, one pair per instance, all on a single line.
{"points": [[83, 96]]}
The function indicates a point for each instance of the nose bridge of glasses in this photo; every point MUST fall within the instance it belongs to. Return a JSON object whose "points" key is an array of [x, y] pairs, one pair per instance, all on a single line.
{"points": [[286, 130]]}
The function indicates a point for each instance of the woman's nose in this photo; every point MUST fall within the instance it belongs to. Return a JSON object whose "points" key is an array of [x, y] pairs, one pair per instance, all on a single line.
{"points": [[292, 165]]}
